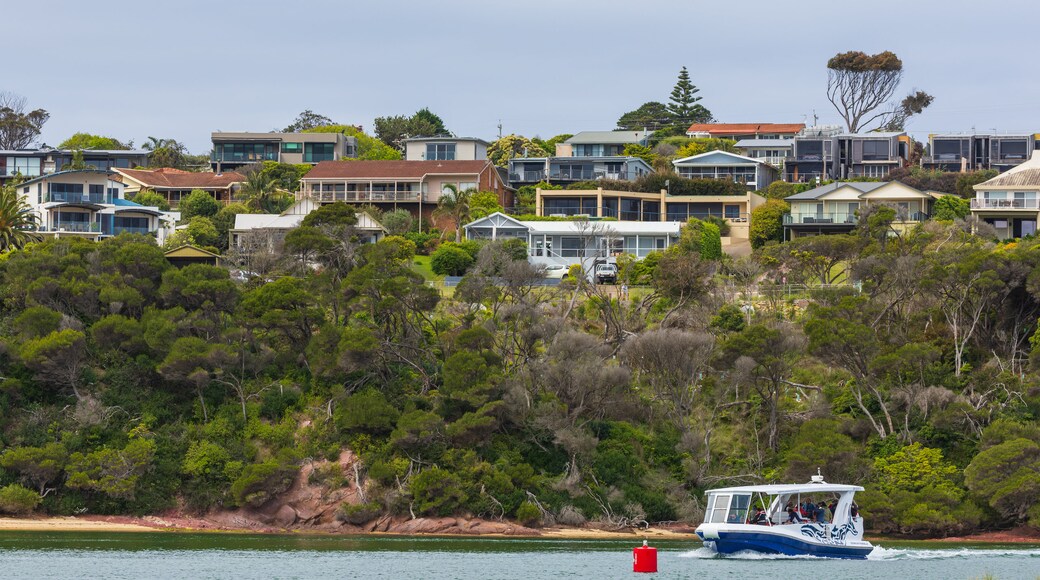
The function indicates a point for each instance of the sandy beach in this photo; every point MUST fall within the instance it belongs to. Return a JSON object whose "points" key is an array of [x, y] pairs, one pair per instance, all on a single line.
{"points": [[70, 524]]}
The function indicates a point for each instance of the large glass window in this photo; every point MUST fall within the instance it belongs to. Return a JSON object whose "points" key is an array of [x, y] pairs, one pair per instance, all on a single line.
{"points": [[738, 509], [247, 152], [317, 152], [875, 150], [66, 191], [810, 149], [26, 166], [1013, 149], [440, 151], [292, 147]]}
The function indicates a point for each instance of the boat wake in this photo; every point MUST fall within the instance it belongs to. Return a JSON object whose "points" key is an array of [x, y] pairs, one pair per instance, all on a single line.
{"points": [[879, 554]]}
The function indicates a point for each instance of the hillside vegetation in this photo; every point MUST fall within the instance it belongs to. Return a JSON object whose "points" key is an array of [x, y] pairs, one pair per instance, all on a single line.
{"points": [[129, 386]]}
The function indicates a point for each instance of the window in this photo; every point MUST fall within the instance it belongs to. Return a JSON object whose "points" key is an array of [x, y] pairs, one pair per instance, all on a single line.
{"points": [[66, 191], [738, 509], [875, 150], [1013, 149], [317, 152], [731, 212], [26, 166], [247, 152], [292, 147], [440, 151], [719, 507], [810, 149], [875, 170]]}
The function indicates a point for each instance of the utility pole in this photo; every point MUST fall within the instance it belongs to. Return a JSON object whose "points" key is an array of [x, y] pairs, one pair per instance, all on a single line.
{"points": [[500, 128]]}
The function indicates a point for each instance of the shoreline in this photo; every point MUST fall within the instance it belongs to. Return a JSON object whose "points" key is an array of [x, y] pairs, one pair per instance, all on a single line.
{"points": [[1024, 536]]}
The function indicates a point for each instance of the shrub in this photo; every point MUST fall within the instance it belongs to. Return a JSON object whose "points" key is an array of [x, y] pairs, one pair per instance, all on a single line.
{"points": [[729, 318], [358, 513], [198, 203], [437, 492], [570, 516], [15, 499], [424, 241], [260, 482], [450, 260], [398, 222], [711, 242], [767, 222], [367, 411], [529, 515]]}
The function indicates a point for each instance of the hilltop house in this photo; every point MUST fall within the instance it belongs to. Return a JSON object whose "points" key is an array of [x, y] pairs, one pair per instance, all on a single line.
{"points": [[1010, 202], [89, 203], [845, 156], [753, 173], [972, 152], [831, 208], [175, 184], [587, 156], [412, 185], [253, 232], [234, 150], [567, 242], [29, 163]]}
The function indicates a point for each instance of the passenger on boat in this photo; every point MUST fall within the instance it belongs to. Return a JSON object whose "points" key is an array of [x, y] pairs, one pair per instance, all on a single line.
{"points": [[760, 517], [854, 510], [809, 509], [834, 508], [793, 516], [820, 515]]}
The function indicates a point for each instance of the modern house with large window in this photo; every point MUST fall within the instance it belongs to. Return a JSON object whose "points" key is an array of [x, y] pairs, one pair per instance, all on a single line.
{"points": [[412, 185], [1010, 202], [649, 206], [175, 184], [771, 151], [832, 208], [972, 152], [234, 150], [567, 242], [845, 156], [587, 156], [88, 203], [445, 149], [29, 163], [753, 173]]}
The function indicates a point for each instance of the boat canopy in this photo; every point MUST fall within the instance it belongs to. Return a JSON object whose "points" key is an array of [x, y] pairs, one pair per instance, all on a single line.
{"points": [[786, 489]]}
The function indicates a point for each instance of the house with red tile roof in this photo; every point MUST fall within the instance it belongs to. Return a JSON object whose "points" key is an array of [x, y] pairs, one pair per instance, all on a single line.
{"points": [[175, 184], [738, 131], [412, 185]]}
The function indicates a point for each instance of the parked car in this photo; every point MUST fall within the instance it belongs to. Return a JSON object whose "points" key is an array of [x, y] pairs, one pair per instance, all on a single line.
{"points": [[606, 273], [557, 271]]}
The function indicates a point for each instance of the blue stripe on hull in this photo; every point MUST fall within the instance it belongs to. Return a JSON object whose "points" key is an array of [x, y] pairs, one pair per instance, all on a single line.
{"points": [[731, 542]]}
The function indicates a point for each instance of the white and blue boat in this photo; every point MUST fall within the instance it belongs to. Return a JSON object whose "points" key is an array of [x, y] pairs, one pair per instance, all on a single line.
{"points": [[728, 520]]}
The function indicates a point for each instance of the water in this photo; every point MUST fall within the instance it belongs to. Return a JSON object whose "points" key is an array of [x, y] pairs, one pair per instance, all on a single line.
{"points": [[209, 555]]}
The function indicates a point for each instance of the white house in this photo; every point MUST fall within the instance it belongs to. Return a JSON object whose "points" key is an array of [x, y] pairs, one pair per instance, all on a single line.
{"points": [[569, 242], [1010, 202]]}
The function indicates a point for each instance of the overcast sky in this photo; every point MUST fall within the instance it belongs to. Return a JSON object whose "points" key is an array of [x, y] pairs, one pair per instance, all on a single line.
{"points": [[186, 68]]}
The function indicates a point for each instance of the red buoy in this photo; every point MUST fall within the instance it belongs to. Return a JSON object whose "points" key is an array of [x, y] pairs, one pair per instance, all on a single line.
{"points": [[644, 559]]}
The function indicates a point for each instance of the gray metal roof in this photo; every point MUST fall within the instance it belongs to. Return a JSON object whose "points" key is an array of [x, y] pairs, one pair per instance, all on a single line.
{"points": [[765, 143], [607, 137], [877, 135], [863, 186], [445, 138]]}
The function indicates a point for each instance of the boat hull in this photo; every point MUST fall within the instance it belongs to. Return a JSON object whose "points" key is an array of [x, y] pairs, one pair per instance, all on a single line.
{"points": [[777, 540]]}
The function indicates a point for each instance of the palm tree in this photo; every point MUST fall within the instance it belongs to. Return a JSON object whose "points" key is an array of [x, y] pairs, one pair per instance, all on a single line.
{"points": [[454, 204], [259, 191], [18, 223]]}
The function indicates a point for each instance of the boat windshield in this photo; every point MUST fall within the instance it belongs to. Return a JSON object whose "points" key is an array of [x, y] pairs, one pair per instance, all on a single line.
{"points": [[727, 508]]}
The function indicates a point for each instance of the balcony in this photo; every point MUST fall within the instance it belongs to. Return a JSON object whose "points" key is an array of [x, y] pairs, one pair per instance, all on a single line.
{"points": [[131, 230], [84, 227], [96, 198], [366, 196], [1002, 204], [527, 176]]}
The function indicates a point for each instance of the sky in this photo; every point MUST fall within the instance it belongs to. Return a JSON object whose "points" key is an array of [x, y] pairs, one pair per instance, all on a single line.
{"points": [[186, 68]]}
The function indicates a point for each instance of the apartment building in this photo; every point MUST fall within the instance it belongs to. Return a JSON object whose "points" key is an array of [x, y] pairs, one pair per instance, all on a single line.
{"points": [[30, 163], [845, 156], [973, 152]]}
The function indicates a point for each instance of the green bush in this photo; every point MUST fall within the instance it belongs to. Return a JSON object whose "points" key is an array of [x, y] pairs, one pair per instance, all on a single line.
{"points": [[358, 514], [711, 241], [529, 515], [18, 500], [767, 222], [450, 260], [260, 482], [367, 411], [437, 492], [198, 203]]}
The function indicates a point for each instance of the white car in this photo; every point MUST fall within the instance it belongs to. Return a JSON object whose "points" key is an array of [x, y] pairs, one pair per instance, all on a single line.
{"points": [[557, 271]]}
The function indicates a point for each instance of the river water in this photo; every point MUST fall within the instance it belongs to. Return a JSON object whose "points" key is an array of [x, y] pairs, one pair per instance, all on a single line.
{"points": [[219, 555]]}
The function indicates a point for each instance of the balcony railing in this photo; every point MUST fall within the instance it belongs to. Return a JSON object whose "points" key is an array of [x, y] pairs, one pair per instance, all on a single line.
{"points": [[846, 218], [1031, 204], [77, 197], [365, 196], [130, 230], [73, 227], [527, 176]]}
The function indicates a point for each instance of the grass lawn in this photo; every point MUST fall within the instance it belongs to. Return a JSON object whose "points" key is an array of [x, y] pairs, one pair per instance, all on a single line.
{"points": [[421, 264]]}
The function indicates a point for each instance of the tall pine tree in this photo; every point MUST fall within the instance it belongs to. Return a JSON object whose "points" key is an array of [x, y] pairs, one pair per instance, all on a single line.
{"points": [[683, 105]]}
